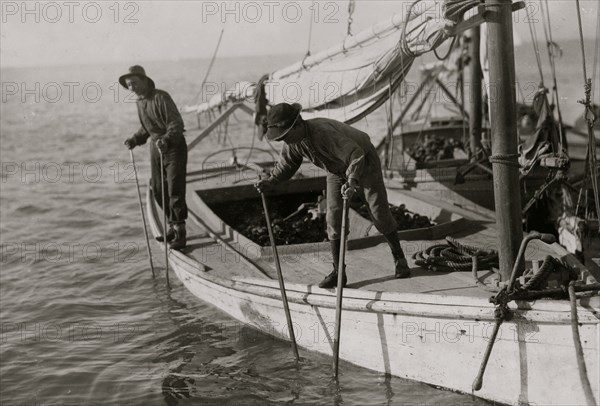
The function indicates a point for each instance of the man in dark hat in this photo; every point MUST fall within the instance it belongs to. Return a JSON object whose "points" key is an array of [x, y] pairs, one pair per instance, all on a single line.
{"points": [[352, 164], [161, 122]]}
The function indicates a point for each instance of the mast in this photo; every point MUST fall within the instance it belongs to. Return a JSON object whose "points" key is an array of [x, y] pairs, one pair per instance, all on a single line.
{"points": [[475, 94], [507, 194]]}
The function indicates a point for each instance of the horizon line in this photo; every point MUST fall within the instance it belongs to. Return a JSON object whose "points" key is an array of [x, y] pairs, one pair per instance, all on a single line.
{"points": [[259, 55]]}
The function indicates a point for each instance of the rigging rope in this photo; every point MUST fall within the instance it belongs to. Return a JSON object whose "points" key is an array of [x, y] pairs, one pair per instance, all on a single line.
{"points": [[551, 56], [534, 42], [390, 125], [251, 146], [266, 151], [580, 25], [351, 6], [448, 53], [520, 89], [271, 146], [589, 117], [312, 7], [427, 117], [596, 57], [212, 61]]}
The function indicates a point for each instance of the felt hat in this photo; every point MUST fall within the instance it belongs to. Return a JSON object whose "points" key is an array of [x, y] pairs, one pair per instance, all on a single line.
{"points": [[280, 120], [135, 70]]}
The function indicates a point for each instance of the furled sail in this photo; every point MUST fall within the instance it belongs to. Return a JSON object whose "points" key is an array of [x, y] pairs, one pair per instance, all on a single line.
{"points": [[242, 91], [348, 81]]}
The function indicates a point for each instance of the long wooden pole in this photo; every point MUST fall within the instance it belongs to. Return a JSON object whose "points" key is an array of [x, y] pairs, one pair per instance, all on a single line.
{"points": [[284, 298], [475, 94], [162, 190], [340, 288], [137, 183], [507, 194]]}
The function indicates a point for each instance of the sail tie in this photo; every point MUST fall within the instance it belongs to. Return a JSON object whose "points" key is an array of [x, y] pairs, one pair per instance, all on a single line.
{"points": [[505, 159]]}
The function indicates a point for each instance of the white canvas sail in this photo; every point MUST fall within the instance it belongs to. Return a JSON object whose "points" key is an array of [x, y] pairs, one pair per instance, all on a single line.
{"points": [[350, 80]]}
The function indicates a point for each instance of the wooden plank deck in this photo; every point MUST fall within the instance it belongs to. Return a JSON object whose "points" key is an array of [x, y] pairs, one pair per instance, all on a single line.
{"points": [[368, 268]]}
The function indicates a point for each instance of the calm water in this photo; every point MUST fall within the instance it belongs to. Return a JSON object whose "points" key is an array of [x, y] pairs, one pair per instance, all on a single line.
{"points": [[82, 320]]}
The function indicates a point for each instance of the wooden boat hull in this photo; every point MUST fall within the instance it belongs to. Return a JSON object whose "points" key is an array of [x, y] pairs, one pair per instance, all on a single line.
{"points": [[436, 339], [439, 178]]}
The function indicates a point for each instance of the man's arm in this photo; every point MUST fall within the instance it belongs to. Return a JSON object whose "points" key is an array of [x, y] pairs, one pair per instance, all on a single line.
{"points": [[356, 163], [287, 165], [141, 136], [171, 116]]}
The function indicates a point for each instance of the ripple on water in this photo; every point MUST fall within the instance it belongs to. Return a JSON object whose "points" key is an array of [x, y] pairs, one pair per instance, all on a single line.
{"points": [[103, 331], [32, 209]]}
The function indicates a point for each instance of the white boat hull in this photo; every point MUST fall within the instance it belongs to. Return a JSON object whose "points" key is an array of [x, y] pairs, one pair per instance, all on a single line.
{"points": [[439, 340]]}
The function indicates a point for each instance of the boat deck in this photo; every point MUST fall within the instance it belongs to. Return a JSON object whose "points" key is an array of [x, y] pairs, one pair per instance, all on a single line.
{"points": [[368, 268], [373, 269]]}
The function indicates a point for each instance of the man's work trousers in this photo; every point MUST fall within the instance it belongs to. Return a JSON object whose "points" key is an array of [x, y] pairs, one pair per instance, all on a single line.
{"points": [[175, 161], [371, 191]]}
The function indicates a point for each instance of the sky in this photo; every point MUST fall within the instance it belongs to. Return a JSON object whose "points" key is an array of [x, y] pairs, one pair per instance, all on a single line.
{"points": [[49, 33]]}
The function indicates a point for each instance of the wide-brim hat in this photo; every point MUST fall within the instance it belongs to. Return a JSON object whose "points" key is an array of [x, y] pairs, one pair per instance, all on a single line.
{"points": [[280, 120], [135, 70]]}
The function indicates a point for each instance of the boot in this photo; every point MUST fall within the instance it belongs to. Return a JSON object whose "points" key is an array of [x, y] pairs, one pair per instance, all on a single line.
{"points": [[170, 235], [402, 270], [330, 280], [179, 241]]}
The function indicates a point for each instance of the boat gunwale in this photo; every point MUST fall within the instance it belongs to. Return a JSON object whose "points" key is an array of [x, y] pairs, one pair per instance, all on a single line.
{"points": [[396, 303]]}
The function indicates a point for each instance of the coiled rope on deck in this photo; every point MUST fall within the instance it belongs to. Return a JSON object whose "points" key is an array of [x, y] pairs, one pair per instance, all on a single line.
{"points": [[455, 256]]}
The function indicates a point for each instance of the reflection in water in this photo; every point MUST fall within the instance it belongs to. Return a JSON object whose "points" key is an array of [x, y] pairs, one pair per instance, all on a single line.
{"points": [[216, 360], [389, 392]]}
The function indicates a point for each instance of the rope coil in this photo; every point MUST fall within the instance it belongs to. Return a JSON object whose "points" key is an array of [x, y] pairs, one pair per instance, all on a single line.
{"points": [[455, 256]]}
